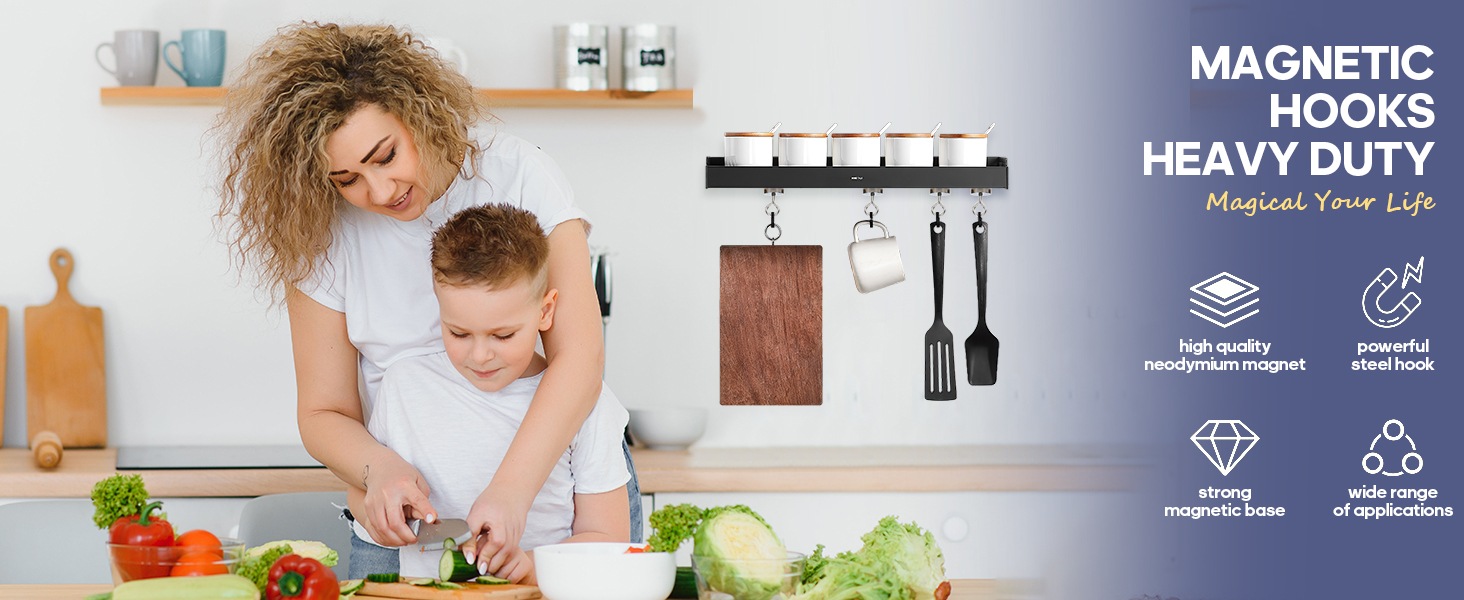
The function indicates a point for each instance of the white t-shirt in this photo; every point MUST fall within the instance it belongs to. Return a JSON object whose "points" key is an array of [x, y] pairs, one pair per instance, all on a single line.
{"points": [[457, 435], [378, 272]]}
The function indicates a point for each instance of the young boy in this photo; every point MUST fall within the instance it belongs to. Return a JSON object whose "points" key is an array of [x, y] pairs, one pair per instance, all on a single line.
{"points": [[453, 414]]}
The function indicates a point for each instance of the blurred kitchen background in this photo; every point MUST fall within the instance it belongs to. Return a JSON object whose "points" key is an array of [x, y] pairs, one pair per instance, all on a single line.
{"points": [[194, 356]]}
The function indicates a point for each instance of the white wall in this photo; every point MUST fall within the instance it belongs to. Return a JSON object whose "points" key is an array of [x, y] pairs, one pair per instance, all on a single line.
{"points": [[195, 358]]}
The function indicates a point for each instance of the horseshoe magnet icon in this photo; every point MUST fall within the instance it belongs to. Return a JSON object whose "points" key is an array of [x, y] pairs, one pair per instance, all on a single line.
{"points": [[1394, 315]]}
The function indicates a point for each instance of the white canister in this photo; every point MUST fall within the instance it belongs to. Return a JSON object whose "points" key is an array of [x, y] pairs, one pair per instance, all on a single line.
{"points": [[909, 150], [749, 149], [962, 149], [856, 149], [803, 150]]}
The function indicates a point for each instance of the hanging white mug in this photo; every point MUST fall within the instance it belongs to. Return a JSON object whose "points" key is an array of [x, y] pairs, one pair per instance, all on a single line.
{"points": [[875, 261]]}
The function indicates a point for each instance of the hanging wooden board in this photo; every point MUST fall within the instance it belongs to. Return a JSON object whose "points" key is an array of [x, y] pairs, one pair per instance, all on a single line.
{"points": [[772, 325], [4, 342], [65, 375]]}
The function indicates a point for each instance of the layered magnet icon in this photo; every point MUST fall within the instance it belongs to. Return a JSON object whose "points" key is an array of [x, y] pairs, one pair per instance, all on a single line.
{"points": [[1219, 299]]}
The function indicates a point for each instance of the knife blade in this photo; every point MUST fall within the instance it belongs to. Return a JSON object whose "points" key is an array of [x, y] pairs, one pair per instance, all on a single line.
{"points": [[431, 535]]}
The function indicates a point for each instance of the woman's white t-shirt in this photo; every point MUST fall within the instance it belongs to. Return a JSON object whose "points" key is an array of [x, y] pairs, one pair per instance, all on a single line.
{"points": [[457, 435], [377, 269]]}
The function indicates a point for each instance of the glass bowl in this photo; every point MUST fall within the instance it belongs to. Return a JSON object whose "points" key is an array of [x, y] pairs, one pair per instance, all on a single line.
{"points": [[730, 579], [146, 562]]}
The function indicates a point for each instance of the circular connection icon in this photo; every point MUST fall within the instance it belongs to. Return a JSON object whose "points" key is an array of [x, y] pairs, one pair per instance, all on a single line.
{"points": [[1374, 463]]}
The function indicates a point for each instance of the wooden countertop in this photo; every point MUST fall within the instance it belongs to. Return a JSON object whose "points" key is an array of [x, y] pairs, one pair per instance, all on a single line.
{"points": [[961, 589], [822, 469]]}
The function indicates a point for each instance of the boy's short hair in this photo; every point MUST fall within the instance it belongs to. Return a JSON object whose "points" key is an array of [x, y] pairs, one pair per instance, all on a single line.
{"points": [[493, 245]]}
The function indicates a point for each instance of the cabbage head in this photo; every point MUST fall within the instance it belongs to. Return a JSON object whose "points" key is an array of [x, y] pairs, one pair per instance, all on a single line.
{"points": [[738, 553], [306, 548]]}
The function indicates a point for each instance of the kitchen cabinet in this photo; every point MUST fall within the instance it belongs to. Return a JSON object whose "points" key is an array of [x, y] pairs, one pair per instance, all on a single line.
{"points": [[982, 534], [495, 98]]}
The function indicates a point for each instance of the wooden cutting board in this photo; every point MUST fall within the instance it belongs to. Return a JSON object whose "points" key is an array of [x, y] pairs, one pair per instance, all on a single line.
{"points": [[470, 591], [4, 342], [65, 376], [772, 325]]}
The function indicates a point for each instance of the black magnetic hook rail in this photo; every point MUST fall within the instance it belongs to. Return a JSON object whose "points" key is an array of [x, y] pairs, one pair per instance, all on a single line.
{"points": [[992, 176]]}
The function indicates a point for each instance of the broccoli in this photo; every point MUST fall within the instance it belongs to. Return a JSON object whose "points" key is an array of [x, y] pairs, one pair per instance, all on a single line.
{"points": [[672, 525], [116, 497], [255, 568]]}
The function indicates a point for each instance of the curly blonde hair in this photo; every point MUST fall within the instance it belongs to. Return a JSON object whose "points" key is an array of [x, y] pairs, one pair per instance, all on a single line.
{"points": [[278, 207]]}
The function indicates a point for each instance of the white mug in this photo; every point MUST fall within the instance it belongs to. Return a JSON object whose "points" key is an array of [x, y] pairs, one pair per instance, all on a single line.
{"points": [[875, 261], [449, 52], [749, 149]]}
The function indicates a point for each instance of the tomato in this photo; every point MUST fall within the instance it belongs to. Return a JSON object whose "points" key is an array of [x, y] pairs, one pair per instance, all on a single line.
{"points": [[199, 563], [636, 550], [199, 540]]}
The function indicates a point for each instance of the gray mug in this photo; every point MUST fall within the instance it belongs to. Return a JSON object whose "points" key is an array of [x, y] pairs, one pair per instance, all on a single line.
{"points": [[202, 54], [135, 52]]}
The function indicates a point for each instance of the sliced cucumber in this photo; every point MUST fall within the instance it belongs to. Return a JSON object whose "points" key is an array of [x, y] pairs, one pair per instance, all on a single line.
{"points": [[449, 544], [685, 586], [490, 580], [446, 585], [383, 578], [455, 567], [351, 586], [420, 581]]}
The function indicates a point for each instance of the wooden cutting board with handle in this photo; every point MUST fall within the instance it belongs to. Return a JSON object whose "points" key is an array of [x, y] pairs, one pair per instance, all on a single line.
{"points": [[470, 591], [65, 375]]}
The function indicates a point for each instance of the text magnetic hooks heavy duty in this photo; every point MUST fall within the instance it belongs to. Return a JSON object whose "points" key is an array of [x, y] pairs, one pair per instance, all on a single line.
{"points": [[872, 209], [772, 231], [939, 208]]}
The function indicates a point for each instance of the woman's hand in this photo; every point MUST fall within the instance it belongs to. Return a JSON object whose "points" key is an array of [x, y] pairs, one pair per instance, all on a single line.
{"points": [[395, 494], [496, 525], [519, 568]]}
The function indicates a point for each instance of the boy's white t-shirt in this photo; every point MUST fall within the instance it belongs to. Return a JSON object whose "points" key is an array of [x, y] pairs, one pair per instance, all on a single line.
{"points": [[377, 269], [457, 435]]}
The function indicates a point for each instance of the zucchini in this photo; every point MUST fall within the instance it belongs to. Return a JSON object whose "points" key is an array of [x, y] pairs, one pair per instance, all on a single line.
{"points": [[351, 586], [455, 567], [383, 578], [490, 580], [208, 587], [685, 586]]}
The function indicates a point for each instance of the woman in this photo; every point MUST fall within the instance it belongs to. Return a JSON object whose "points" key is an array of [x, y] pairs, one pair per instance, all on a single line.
{"points": [[344, 148]]}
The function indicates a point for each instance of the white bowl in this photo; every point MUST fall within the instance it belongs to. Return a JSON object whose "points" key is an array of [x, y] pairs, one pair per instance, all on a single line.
{"points": [[603, 571], [668, 428]]}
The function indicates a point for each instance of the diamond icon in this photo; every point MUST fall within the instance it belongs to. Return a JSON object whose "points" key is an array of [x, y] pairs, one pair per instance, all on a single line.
{"points": [[1225, 442], [1218, 293]]}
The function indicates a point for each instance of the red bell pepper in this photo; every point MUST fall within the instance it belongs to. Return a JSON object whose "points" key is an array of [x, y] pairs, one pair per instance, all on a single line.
{"points": [[141, 530], [296, 577]]}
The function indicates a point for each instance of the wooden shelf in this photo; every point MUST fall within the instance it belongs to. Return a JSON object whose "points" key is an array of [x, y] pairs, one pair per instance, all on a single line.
{"points": [[494, 98]]}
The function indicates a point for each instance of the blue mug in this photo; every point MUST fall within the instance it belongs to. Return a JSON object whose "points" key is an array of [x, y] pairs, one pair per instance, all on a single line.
{"points": [[202, 55]]}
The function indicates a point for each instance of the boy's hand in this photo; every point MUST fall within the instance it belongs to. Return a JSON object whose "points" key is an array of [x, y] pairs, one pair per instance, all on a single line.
{"points": [[395, 493], [498, 526]]}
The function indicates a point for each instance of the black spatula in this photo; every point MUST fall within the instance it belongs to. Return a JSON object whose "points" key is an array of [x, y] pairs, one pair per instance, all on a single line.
{"points": [[982, 346], [940, 357]]}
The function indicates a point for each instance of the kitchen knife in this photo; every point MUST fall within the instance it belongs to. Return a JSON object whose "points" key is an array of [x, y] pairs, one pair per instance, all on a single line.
{"points": [[431, 535]]}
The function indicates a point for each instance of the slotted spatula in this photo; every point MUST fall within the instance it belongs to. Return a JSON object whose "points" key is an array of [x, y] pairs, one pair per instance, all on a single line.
{"points": [[940, 358], [982, 346]]}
